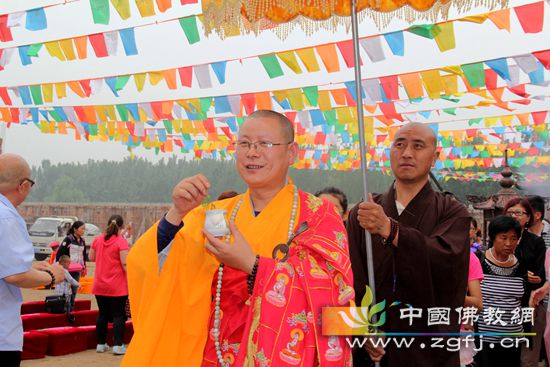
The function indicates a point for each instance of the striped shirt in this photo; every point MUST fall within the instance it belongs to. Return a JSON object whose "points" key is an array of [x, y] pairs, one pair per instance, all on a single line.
{"points": [[502, 289]]}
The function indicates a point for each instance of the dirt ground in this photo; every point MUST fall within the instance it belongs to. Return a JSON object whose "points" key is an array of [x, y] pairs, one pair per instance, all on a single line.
{"points": [[88, 358]]}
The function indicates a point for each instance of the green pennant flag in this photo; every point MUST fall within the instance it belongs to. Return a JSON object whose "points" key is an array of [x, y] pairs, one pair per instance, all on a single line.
{"points": [[445, 143], [33, 49], [93, 129], [36, 93], [100, 11], [121, 82], [55, 116], [472, 122], [122, 112], [330, 116], [425, 30], [271, 65], [450, 111], [167, 126], [475, 73], [484, 154], [450, 99], [206, 103], [189, 26], [312, 95]]}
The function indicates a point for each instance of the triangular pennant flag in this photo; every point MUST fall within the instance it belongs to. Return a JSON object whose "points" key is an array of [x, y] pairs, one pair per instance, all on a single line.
{"points": [[60, 90], [36, 93], [122, 7], [67, 47], [475, 74], [390, 85], [36, 20], [34, 49], [543, 57], [15, 19], [307, 55], [491, 79], [98, 44], [5, 96], [145, 7], [100, 11], [312, 95], [290, 60], [271, 65], [139, 79], [329, 57], [263, 101], [128, 41], [396, 42], [531, 16], [24, 54], [121, 82], [412, 84], [81, 45], [528, 63], [186, 76], [202, 73], [219, 70], [111, 83], [373, 48], [539, 117], [432, 82], [445, 39], [170, 78], [5, 31], [500, 66], [189, 26], [54, 50], [164, 5], [424, 30], [501, 18], [346, 50], [155, 77], [111, 42]]}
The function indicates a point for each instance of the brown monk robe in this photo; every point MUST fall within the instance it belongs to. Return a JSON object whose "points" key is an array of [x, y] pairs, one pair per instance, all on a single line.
{"points": [[423, 261]]}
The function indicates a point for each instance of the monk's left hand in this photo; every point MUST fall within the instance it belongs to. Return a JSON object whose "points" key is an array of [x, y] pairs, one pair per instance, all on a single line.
{"points": [[237, 255], [371, 217]]}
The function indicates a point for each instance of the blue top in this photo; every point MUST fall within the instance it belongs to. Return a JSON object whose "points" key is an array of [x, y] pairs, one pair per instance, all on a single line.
{"points": [[16, 257]]}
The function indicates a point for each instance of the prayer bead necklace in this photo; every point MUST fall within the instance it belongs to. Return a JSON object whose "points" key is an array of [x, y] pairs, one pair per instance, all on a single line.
{"points": [[217, 308]]}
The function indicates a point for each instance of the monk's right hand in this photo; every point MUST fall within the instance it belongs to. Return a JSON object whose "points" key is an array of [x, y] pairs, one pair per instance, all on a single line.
{"points": [[186, 196], [375, 350]]}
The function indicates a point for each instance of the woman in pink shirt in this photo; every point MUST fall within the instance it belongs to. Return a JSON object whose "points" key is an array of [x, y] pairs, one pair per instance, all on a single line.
{"points": [[110, 287]]}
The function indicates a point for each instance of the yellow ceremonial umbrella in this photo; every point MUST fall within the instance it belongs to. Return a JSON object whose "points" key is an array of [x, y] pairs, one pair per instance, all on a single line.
{"points": [[222, 15]]}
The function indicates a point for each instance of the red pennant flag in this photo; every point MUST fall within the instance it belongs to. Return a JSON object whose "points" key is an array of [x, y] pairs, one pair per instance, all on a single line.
{"points": [[85, 84], [209, 125], [523, 101], [157, 110], [491, 79], [519, 90], [514, 145], [381, 138], [98, 44], [471, 133], [390, 86], [531, 16], [5, 31], [227, 132], [186, 76], [346, 49], [539, 117], [388, 109], [543, 57], [131, 127], [350, 102], [319, 138], [5, 96], [185, 2], [249, 102], [14, 114], [291, 116], [80, 113]]}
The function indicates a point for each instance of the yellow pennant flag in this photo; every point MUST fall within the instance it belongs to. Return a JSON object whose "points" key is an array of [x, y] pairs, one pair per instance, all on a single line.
{"points": [[122, 7], [289, 58], [142, 115], [446, 38], [453, 69], [324, 100], [111, 128], [296, 99], [475, 18], [47, 92], [146, 7], [507, 120], [187, 127], [432, 82], [176, 125], [110, 110], [155, 77], [60, 90], [67, 47], [307, 55], [450, 84], [344, 115], [196, 103], [44, 127], [491, 121], [100, 111], [139, 79], [54, 50]]}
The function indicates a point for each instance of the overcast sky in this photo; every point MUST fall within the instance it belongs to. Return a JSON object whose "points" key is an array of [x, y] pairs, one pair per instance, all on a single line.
{"points": [[163, 46]]}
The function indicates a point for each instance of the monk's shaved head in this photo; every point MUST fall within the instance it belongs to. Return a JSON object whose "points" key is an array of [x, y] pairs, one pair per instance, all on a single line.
{"points": [[13, 169], [422, 129], [285, 124]]}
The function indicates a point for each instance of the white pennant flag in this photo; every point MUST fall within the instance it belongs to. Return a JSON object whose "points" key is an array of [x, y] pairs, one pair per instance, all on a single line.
{"points": [[514, 76], [111, 41], [373, 48], [15, 19], [202, 72], [139, 129], [96, 85], [235, 103], [146, 107], [528, 63], [71, 115]]}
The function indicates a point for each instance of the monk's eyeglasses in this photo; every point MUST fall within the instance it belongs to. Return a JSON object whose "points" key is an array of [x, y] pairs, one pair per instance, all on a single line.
{"points": [[258, 145]]}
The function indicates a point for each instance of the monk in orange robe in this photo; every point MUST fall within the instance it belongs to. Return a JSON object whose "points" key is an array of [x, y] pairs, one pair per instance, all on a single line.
{"points": [[252, 297]]}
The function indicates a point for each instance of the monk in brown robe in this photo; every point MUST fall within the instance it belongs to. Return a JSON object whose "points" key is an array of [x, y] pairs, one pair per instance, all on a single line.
{"points": [[420, 248]]}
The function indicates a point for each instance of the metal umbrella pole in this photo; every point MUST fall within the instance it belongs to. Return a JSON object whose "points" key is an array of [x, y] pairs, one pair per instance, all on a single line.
{"points": [[362, 146]]}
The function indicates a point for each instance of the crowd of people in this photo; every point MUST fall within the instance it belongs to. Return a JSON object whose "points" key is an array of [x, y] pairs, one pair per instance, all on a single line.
{"points": [[254, 296]]}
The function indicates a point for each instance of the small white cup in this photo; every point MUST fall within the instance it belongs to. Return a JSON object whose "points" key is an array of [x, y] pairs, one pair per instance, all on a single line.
{"points": [[215, 222]]}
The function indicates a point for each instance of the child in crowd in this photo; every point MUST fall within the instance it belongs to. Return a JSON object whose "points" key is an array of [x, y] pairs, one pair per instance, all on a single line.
{"points": [[64, 288]]}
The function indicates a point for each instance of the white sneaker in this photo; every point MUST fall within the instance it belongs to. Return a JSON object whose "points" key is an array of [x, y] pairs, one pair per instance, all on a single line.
{"points": [[102, 348], [119, 350]]}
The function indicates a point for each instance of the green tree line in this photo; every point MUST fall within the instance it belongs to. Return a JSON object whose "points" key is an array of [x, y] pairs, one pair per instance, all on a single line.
{"points": [[141, 181]]}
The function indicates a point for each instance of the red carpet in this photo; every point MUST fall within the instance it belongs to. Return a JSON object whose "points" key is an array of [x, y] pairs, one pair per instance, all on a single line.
{"points": [[66, 340], [35, 345]]}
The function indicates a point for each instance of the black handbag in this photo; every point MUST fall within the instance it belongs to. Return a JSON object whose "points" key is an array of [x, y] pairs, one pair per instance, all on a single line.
{"points": [[56, 304]]}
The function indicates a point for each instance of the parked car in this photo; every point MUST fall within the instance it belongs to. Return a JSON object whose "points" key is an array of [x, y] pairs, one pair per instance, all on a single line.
{"points": [[46, 230]]}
